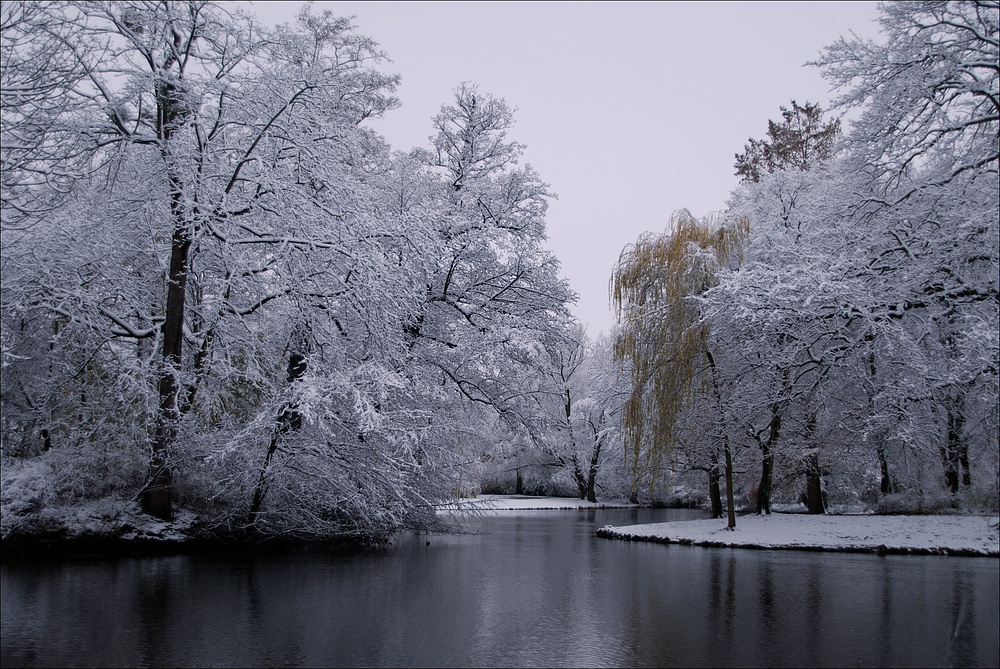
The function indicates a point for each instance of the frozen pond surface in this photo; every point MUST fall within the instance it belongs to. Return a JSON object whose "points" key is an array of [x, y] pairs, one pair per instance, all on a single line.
{"points": [[531, 588]]}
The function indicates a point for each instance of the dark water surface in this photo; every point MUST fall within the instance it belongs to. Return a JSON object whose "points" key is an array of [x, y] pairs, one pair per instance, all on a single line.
{"points": [[531, 588]]}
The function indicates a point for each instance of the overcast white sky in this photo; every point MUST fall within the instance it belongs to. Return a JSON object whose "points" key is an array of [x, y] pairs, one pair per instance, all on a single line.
{"points": [[628, 110]]}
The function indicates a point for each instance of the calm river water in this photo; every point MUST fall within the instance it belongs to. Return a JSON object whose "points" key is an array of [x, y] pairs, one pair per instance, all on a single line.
{"points": [[530, 588]]}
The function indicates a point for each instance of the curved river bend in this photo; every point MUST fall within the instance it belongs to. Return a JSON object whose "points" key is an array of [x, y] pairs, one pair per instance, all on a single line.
{"points": [[529, 588]]}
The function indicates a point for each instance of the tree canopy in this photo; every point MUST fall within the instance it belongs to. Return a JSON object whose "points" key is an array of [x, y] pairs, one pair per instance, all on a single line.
{"points": [[800, 141]]}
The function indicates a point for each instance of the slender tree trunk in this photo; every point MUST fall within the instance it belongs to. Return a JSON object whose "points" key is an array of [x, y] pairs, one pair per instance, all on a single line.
{"points": [[952, 450], [156, 496], [592, 474], [886, 485], [764, 489], [578, 476], [262, 480], [963, 461], [730, 501], [714, 487]]}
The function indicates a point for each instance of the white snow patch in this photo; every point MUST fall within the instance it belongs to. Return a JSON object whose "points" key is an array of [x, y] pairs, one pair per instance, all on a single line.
{"points": [[972, 535]]}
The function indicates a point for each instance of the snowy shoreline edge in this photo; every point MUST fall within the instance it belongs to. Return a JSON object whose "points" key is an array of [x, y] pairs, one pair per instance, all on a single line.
{"points": [[957, 536]]}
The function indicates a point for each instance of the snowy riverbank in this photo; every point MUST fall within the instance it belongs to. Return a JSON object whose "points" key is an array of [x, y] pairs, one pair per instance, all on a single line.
{"points": [[529, 503], [917, 535]]}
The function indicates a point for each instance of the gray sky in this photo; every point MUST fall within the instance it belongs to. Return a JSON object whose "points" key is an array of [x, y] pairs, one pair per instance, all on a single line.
{"points": [[628, 110]]}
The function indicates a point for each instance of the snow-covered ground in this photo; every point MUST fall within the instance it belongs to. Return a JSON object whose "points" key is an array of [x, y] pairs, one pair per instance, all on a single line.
{"points": [[527, 502], [934, 535]]}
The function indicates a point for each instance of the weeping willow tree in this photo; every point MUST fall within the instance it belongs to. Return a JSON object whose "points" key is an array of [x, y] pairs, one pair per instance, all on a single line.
{"points": [[664, 340]]}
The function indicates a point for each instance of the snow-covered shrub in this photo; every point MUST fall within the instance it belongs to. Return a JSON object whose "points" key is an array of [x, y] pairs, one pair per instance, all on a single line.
{"points": [[915, 502]]}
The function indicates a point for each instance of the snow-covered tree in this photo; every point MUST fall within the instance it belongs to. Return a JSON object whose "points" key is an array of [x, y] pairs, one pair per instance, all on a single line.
{"points": [[584, 406], [492, 298], [928, 138], [869, 287], [248, 290], [234, 188]]}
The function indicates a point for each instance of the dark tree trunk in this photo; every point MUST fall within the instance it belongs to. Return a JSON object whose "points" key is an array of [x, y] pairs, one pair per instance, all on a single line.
{"points": [[814, 479], [592, 474], [814, 486], [954, 453], [963, 461], [156, 497], [519, 485], [767, 463], [714, 491], [887, 485], [261, 488], [766, 476], [581, 481]]}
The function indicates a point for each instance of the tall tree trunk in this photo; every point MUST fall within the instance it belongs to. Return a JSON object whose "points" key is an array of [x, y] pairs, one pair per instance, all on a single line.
{"points": [[814, 479], [171, 111], [951, 450], [714, 488], [156, 497], [730, 502], [963, 461], [578, 476]]}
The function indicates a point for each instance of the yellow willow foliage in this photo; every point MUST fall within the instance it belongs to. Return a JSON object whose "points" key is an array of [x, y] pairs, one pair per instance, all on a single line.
{"points": [[662, 335]]}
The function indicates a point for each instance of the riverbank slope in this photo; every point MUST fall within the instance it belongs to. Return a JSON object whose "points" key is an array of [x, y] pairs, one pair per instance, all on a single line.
{"points": [[914, 535]]}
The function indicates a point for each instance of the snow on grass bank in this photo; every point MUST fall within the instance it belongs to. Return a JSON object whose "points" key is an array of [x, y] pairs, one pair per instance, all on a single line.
{"points": [[528, 503], [922, 535]]}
